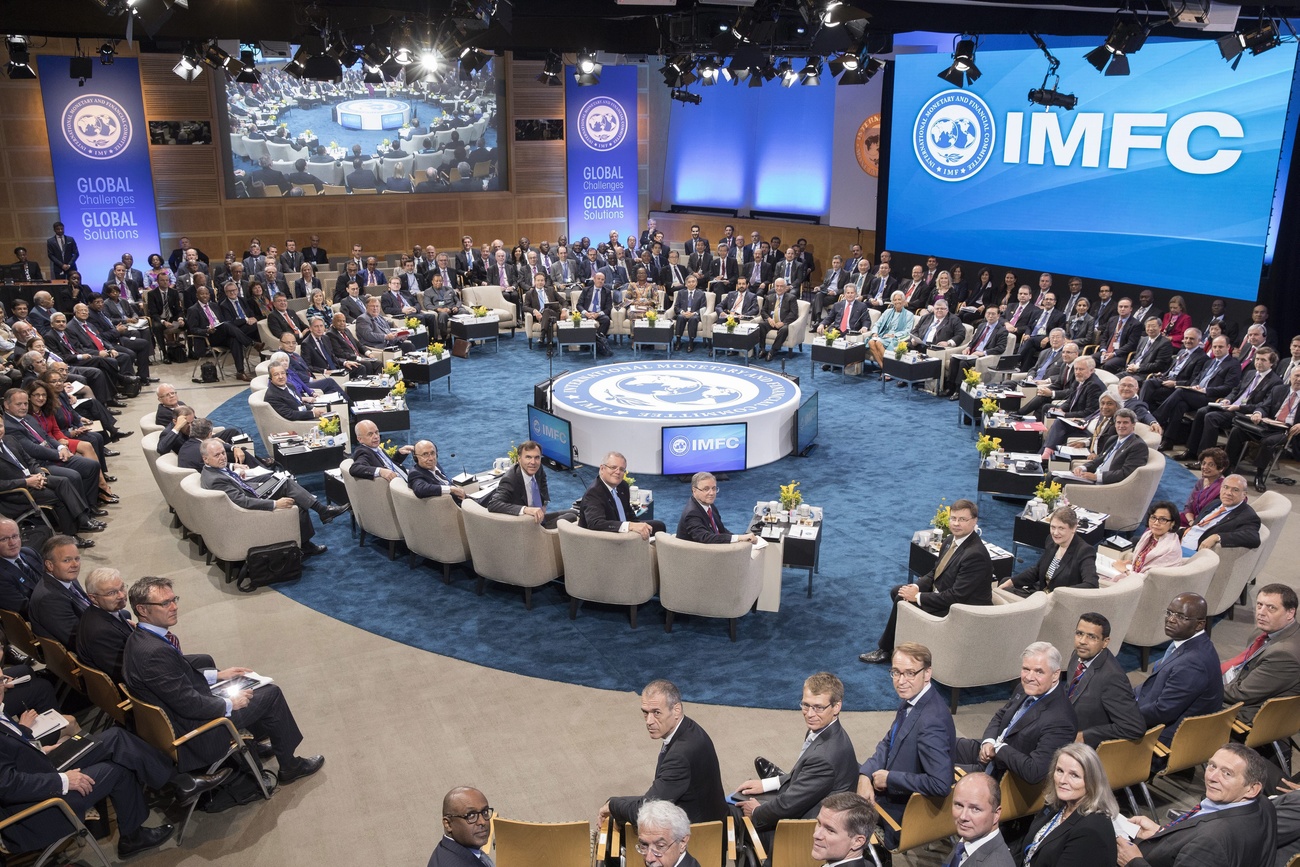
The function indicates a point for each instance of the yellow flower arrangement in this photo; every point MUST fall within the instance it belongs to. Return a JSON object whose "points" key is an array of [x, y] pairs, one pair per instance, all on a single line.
{"points": [[329, 425], [973, 377], [832, 335], [513, 454], [988, 406], [629, 479], [480, 311], [1049, 494], [987, 445], [437, 350], [651, 316], [790, 496], [940, 519], [900, 349], [576, 316], [398, 390], [390, 449], [731, 323], [412, 322], [392, 368]]}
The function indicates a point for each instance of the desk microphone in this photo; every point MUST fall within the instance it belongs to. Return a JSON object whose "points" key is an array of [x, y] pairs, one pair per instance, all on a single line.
{"points": [[463, 469]]}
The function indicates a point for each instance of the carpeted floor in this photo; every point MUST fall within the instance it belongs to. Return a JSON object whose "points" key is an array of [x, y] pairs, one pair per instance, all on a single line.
{"points": [[880, 468]]}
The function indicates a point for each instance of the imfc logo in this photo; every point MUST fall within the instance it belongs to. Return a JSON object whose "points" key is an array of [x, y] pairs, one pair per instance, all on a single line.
{"points": [[96, 127], [954, 134], [602, 124], [543, 431], [679, 446]]}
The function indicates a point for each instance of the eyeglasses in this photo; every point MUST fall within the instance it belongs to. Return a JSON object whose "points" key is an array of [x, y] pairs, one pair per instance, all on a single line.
{"points": [[1177, 615], [121, 591], [473, 816], [166, 603], [10, 538], [657, 848], [708, 489], [815, 708], [902, 674], [622, 469], [1159, 519]]}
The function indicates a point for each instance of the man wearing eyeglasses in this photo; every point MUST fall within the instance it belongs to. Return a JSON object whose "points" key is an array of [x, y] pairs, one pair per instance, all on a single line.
{"points": [[21, 569], [826, 763], [1185, 681], [701, 521], [662, 832], [467, 826], [1231, 524], [156, 671], [917, 753], [607, 504]]}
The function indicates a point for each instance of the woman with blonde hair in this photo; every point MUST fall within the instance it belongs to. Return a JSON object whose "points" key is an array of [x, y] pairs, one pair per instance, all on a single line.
{"points": [[1074, 828]]}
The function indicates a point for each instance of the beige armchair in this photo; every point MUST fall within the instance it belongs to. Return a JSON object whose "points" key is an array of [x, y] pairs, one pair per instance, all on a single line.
{"points": [[229, 531], [269, 421], [433, 528], [948, 352], [491, 297], [149, 445], [1064, 605], [1127, 501], [986, 364], [613, 568], [148, 424], [1005, 630], [372, 506], [1237, 567], [511, 549], [798, 330], [1147, 626], [708, 580], [1273, 509], [169, 475]]}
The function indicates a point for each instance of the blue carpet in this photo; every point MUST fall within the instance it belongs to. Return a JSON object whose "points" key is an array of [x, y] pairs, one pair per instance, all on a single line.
{"points": [[879, 470]]}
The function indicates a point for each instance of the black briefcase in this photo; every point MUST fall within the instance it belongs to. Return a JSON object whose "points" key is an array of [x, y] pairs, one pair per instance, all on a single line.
{"points": [[270, 564]]}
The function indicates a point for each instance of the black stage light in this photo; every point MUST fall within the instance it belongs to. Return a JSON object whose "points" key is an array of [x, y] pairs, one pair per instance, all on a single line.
{"points": [[963, 70], [1126, 37], [1053, 98]]}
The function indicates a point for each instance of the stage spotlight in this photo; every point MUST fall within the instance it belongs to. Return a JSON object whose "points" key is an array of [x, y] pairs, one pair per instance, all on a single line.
{"points": [[372, 75], [708, 72], [294, 68], [811, 74], [587, 70], [685, 96], [835, 13], [1126, 37], [848, 61], [553, 71], [249, 74], [403, 55], [472, 60], [80, 69], [322, 67], [1257, 41], [787, 74], [107, 54], [963, 70], [189, 67], [19, 67], [348, 56], [428, 60], [1053, 98]]}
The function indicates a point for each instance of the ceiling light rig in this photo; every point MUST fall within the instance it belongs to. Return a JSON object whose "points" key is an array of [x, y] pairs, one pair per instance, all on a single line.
{"points": [[1263, 38], [587, 70], [552, 74], [19, 67], [1127, 36], [963, 71], [1052, 98]]}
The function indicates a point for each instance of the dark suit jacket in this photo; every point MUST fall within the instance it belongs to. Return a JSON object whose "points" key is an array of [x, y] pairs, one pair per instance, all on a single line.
{"points": [[1186, 682], [695, 526], [797, 274], [1240, 835], [1103, 700], [58, 258], [29, 778], [1027, 749], [449, 853], [967, 579], [101, 641], [997, 342], [1225, 378], [213, 479], [686, 774], [342, 346], [1081, 401], [1132, 455], [859, 316], [15, 587], [1272, 673], [287, 404], [352, 308], [530, 299], [1237, 529], [748, 305], [596, 509], [919, 756], [950, 328], [511, 495], [366, 462], [314, 356], [1157, 357], [1078, 568], [278, 322], [1079, 841], [606, 300], [789, 306], [827, 766], [1130, 333], [55, 611], [425, 484]]}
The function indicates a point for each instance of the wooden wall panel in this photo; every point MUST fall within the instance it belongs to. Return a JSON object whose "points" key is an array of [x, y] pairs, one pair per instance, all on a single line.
{"points": [[30, 162]]}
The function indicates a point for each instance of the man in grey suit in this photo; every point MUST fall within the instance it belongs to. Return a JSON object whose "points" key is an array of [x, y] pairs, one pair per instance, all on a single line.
{"points": [[466, 825], [217, 477], [1269, 667], [1288, 823], [976, 810], [1126, 455], [374, 331], [1098, 688], [826, 762]]}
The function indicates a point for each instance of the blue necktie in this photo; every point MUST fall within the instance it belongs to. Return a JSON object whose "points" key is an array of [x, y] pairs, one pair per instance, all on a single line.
{"points": [[534, 492], [898, 723], [239, 309], [388, 462], [329, 359], [1209, 374], [618, 504], [1042, 368]]}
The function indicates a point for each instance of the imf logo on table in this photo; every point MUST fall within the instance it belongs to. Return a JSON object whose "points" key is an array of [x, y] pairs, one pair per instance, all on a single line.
{"points": [[679, 446], [602, 124], [954, 135], [96, 127]]}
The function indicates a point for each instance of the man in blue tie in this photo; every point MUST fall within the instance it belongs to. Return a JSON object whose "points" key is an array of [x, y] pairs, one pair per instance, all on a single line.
{"points": [[1027, 730], [370, 461], [523, 490], [57, 602], [607, 504], [20, 568]]}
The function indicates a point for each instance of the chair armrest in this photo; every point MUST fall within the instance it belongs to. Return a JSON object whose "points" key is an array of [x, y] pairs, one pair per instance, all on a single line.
{"points": [[957, 774], [1160, 749], [20, 489], [756, 843], [602, 840], [1240, 727], [889, 820], [731, 838], [209, 726], [27, 812]]}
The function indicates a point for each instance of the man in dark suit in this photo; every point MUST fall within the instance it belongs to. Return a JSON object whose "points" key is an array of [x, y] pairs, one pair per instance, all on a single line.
{"points": [[700, 520], [374, 331], [780, 310], [361, 178], [686, 772], [963, 573], [1277, 419], [848, 315], [202, 321], [106, 625], [596, 304], [58, 600], [1186, 680], [1153, 352], [1098, 688], [936, 330], [844, 827], [370, 461], [1021, 316], [1269, 667], [1025, 732], [1218, 377], [21, 569], [466, 825], [1251, 393], [427, 478], [315, 253], [916, 755], [17, 468], [1234, 824], [1183, 369], [874, 290], [688, 305], [304, 178], [159, 674], [607, 504], [345, 347], [55, 456], [522, 489], [976, 811], [1118, 338], [1084, 393], [790, 270], [695, 243], [285, 400], [282, 319], [542, 305], [217, 476], [663, 833], [269, 177], [740, 302], [62, 252], [320, 358], [990, 338], [1126, 454], [1230, 524], [1032, 340], [104, 344]]}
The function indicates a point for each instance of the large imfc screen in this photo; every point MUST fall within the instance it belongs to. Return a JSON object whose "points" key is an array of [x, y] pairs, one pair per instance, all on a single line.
{"points": [[1161, 178]]}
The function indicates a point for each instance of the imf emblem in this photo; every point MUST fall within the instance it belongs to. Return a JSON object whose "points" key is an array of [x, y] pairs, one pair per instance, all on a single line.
{"points": [[602, 124], [96, 127], [679, 446], [954, 135]]}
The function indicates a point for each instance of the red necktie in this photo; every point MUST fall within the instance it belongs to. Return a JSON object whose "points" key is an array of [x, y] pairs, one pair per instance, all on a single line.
{"points": [[173, 641], [1240, 658], [1286, 407], [709, 512], [99, 345], [1078, 675], [844, 321], [1184, 817]]}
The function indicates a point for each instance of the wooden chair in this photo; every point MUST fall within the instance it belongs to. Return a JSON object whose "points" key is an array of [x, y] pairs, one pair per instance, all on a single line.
{"points": [[76, 830], [19, 633], [1128, 764], [61, 663], [791, 843], [365, 192], [103, 693], [542, 844], [1277, 720], [1020, 798], [709, 843], [1197, 739], [925, 819], [308, 190], [155, 728], [333, 190]]}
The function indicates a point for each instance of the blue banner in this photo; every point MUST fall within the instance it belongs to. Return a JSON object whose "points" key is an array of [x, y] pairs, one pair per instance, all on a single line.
{"points": [[600, 143], [1162, 178], [99, 145]]}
